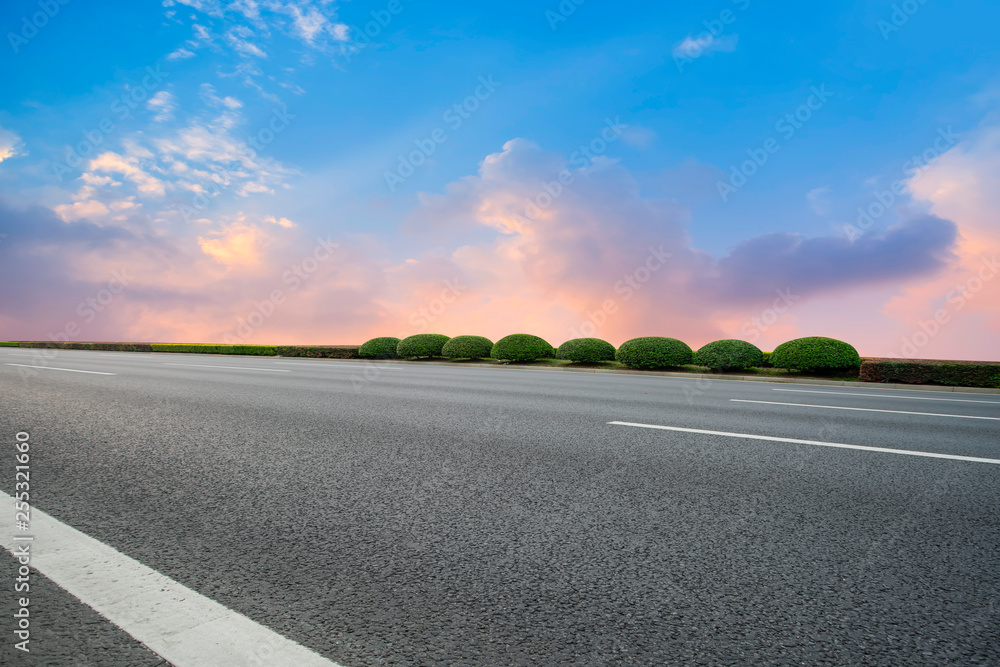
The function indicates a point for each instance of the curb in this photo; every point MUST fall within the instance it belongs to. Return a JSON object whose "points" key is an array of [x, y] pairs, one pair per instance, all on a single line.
{"points": [[697, 376]]}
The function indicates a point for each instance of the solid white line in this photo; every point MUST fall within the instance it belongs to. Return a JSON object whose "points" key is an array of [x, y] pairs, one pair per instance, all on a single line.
{"points": [[907, 452], [908, 398], [184, 627], [839, 407], [238, 368], [53, 368]]}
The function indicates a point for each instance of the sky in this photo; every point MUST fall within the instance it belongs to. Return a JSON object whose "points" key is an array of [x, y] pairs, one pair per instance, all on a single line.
{"points": [[325, 172]]}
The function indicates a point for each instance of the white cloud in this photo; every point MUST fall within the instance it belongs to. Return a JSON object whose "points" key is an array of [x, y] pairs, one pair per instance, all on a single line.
{"points": [[114, 163], [91, 179], [10, 145], [819, 200], [81, 209], [163, 105], [695, 47], [282, 222]]}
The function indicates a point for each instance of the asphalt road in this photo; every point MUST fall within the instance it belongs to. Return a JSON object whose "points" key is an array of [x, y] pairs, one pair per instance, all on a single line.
{"points": [[407, 514]]}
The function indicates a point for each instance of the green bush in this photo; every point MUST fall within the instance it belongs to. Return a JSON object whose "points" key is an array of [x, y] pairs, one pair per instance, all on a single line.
{"points": [[200, 348], [724, 355], [766, 363], [107, 347], [467, 347], [931, 371], [816, 355], [7, 344], [422, 345], [522, 347], [589, 350], [654, 352], [321, 351], [379, 348]]}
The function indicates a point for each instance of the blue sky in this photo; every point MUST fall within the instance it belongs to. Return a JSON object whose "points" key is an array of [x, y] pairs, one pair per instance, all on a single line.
{"points": [[698, 86]]}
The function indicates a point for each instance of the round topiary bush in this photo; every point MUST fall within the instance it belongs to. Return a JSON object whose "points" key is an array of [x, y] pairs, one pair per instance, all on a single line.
{"points": [[586, 350], [816, 355], [522, 347], [654, 352], [422, 345], [379, 348], [467, 347], [724, 355]]}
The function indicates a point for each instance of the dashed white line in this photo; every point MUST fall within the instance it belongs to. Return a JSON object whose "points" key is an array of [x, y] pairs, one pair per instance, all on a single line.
{"points": [[907, 398], [184, 627], [237, 368], [794, 441], [840, 407], [53, 368]]}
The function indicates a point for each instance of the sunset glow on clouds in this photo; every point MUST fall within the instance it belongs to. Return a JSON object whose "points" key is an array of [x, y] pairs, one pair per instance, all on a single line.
{"points": [[241, 192]]}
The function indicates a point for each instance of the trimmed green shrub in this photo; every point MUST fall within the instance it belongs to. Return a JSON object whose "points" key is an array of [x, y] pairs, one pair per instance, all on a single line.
{"points": [[766, 363], [724, 355], [932, 371], [321, 351], [207, 348], [654, 352], [8, 344], [467, 347], [106, 347], [379, 348], [422, 345], [522, 347], [589, 350], [816, 355]]}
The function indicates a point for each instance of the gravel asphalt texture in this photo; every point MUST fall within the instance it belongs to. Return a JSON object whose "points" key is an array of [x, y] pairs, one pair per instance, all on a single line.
{"points": [[431, 515]]}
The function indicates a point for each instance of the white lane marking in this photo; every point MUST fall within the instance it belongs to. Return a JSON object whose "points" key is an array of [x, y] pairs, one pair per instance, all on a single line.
{"points": [[184, 627], [839, 407], [884, 450], [908, 398], [53, 368], [238, 368]]}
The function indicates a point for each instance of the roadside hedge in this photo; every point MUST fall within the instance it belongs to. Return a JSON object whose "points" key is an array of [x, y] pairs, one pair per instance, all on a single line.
{"points": [[725, 355], [8, 344], [208, 348], [816, 355], [932, 371], [379, 348], [422, 345], [467, 347], [586, 350], [522, 347], [654, 352], [103, 347], [322, 351]]}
